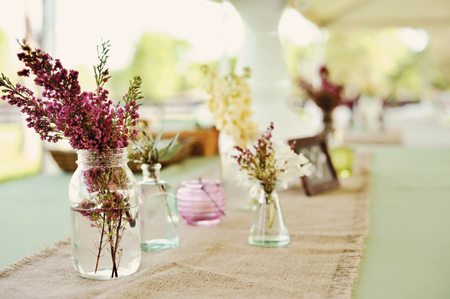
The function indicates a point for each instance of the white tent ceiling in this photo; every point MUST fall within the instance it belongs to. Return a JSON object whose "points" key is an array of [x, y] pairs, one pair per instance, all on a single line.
{"points": [[376, 13]]}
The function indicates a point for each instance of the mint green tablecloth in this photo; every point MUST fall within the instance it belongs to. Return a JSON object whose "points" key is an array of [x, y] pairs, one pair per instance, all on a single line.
{"points": [[406, 255], [407, 251]]}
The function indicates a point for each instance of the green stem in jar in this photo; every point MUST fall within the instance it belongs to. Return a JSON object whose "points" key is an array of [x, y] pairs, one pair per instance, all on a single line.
{"points": [[163, 191], [272, 211], [101, 241]]}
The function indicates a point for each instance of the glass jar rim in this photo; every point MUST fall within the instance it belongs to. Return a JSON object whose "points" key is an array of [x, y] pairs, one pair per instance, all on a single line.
{"points": [[275, 183], [200, 183], [93, 155], [156, 166], [117, 150]]}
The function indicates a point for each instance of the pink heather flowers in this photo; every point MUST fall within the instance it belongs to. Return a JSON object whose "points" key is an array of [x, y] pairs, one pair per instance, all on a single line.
{"points": [[89, 120]]}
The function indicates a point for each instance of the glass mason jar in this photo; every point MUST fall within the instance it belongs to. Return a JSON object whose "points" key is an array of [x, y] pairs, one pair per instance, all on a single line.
{"points": [[268, 229], [237, 196], [158, 210], [104, 215]]}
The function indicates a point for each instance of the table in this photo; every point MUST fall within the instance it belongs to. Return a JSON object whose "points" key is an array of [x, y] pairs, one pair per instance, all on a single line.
{"points": [[35, 209], [406, 255], [407, 251]]}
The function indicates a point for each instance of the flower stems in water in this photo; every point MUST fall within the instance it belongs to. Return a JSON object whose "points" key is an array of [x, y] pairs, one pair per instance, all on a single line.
{"points": [[101, 241], [114, 256], [272, 211], [163, 191]]}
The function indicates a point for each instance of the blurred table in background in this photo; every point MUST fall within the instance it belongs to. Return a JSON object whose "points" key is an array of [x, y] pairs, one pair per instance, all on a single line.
{"points": [[374, 137]]}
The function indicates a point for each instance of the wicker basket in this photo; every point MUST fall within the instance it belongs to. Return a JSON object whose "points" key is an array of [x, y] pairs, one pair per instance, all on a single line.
{"points": [[206, 141], [66, 160]]}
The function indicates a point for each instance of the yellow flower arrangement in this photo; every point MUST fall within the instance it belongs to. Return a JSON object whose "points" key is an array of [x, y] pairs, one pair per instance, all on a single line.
{"points": [[229, 101]]}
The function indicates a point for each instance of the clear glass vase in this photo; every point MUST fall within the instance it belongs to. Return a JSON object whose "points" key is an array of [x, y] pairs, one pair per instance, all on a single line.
{"points": [[268, 229], [237, 196], [328, 127], [104, 215], [158, 210]]}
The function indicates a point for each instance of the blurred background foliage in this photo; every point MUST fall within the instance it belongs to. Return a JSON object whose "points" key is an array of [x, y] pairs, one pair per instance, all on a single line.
{"points": [[377, 63], [5, 58], [372, 62], [3, 50], [161, 62], [158, 59], [439, 58]]}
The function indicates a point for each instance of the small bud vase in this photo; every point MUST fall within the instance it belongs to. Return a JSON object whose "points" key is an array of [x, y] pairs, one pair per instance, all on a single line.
{"points": [[268, 229], [328, 126], [158, 211], [104, 215]]}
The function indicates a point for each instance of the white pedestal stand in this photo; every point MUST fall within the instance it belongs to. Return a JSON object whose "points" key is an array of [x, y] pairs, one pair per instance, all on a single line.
{"points": [[270, 81]]}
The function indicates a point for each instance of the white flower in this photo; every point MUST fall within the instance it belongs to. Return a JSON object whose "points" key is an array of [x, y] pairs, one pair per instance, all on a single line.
{"points": [[284, 176], [306, 169], [281, 149], [292, 160], [230, 102], [279, 164], [254, 191], [289, 164], [302, 159], [243, 179]]}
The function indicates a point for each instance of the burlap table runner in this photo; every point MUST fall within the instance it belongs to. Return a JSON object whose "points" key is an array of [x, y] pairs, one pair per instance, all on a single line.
{"points": [[375, 137], [327, 235]]}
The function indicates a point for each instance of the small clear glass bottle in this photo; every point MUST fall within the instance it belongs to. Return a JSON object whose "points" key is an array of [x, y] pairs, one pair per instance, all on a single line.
{"points": [[158, 211], [268, 229]]}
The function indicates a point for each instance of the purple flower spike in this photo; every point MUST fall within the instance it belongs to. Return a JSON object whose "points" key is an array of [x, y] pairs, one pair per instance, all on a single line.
{"points": [[88, 120]]}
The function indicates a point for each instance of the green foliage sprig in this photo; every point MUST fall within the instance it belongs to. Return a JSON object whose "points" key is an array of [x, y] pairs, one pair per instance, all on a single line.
{"points": [[100, 73], [145, 150]]}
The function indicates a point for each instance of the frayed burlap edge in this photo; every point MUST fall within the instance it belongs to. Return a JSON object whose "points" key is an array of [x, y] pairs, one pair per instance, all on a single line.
{"points": [[346, 272], [29, 259]]}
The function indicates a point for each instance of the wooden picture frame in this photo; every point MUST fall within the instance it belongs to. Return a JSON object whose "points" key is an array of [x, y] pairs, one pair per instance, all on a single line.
{"points": [[324, 175]]}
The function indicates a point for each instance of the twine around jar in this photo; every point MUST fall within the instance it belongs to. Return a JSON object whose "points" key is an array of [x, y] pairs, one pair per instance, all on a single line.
{"points": [[210, 197]]}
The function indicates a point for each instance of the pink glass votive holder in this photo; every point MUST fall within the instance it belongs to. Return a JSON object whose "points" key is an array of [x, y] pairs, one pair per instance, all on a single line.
{"points": [[201, 202]]}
